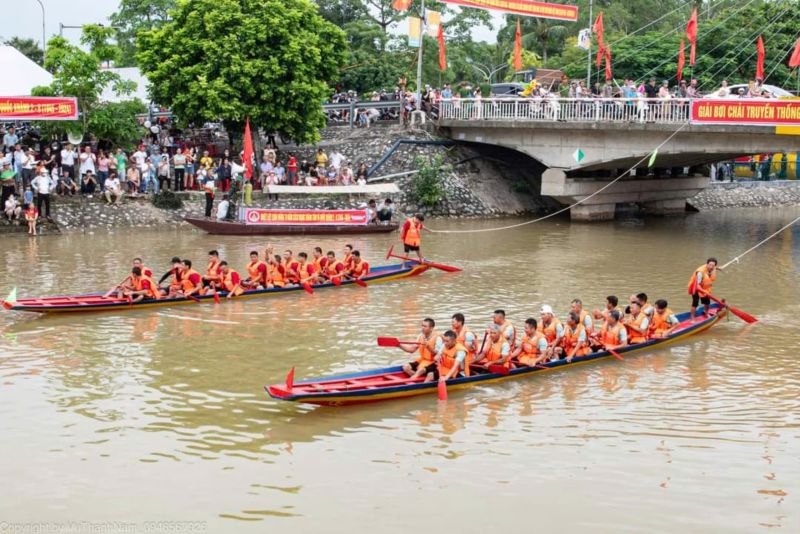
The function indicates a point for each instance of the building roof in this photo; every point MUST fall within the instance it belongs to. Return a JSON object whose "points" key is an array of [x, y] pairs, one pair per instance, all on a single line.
{"points": [[20, 74]]}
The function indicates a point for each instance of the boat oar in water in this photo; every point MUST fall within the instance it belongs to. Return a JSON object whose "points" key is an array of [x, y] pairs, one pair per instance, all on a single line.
{"points": [[440, 266], [614, 353], [394, 342], [442, 390], [308, 288], [360, 282], [744, 316]]}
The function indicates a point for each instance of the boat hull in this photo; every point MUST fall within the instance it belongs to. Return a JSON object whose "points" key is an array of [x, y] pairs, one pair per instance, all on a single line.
{"points": [[238, 228], [374, 386], [96, 303]]}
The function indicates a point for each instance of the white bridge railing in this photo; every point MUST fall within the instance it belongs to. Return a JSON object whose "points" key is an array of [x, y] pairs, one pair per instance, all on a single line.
{"points": [[665, 111]]}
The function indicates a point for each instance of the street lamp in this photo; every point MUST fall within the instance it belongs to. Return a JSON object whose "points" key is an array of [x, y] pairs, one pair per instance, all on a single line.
{"points": [[44, 43]]}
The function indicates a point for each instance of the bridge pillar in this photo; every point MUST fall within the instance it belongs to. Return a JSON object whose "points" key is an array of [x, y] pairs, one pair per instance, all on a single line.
{"points": [[593, 212], [666, 207]]}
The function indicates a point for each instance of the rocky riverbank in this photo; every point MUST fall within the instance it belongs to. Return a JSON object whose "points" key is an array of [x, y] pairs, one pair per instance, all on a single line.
{"points": [[748, 195]]}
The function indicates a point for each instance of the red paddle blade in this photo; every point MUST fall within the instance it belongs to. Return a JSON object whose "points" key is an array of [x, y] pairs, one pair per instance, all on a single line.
{"points": [[389, 253], [308, 288], [336, 281], [388, 342], [216, 297], [290, 379], [193, 298], [443, 267], [360, 282], [498, 369], [744, 316], [442, 390]]}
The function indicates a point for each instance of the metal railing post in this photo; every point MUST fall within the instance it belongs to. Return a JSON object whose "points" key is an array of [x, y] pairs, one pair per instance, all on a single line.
{"points": [[351, 116]]}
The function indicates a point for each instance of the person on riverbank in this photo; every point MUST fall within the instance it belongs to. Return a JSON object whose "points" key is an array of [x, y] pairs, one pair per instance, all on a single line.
{"points": [[43, 185], [7, 181], [31, 217], [701, 283], [411, 235], [208, 189], [428, 344], [11, 208]]}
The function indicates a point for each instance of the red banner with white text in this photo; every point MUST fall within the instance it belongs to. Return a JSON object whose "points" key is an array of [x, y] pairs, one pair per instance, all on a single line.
{"points": [[746, 112], [523, 7], [38, 108], [257, 216]]}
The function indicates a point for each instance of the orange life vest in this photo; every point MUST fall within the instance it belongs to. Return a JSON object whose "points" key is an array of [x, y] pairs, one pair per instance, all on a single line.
{"points": [[412, 235], [276, 277], [427, 349], [659, 324], [610, 335], [550, 331], [449, 358], [213, 271], [634, 336], [332, 269], [705, 283], [187, 284], [461, 339], [302, 272], [495, 352], [252, 270], [227, 281], [530, 348], [152, 292], [582, 320], [348, 261], [571, 340], [292, 265], [361, 268], [177, 278], [318, 264]]}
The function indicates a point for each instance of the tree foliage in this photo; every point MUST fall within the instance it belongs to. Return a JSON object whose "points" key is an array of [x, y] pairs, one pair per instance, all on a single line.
{"points": [[230, 59], [134, 16], [427, 185], [29, 48]]}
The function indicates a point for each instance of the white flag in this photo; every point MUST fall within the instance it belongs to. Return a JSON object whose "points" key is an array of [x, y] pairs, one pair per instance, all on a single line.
{"points": [[585, 39]]}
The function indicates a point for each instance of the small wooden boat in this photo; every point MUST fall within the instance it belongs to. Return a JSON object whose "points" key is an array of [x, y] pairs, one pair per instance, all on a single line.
{"points": [[239, 228], [393, 383], [96, 302]]}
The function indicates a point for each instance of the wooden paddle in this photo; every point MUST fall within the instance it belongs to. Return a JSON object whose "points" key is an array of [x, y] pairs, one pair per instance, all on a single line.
{"points": [[499, 369], [360, 282], [308, 288], [440, 266], [614, 353], [394, 342], [744, 316], [442, 389]]}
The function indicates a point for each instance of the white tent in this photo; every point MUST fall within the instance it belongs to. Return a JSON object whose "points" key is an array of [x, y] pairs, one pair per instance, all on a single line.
{"points": [[20, 74]]}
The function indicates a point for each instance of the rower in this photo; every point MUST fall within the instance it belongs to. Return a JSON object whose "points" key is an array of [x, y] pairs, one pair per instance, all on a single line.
{"points": [[664, 321], [612, 335], [231, 280], [465, 337], [637, 324], [213, 277], [290, 264], [334, 269], [428, 344], [320, 261], [359, 268], [411, 235], [583, 316], [507, 328], [647, 308], [348, 256], [552, 329], [305, 271], [576, 339], [532, 346], [612, 303], [127, 283], [497, 351], [701, 283], [276, 272], [451, 358], [191, 281], [137, 262], [177, 277], [142, 287], [257, 271]]}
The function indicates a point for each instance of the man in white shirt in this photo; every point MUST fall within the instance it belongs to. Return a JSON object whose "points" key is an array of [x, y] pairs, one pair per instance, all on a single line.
{"points": [[113, 190], [140, 158], [10, 139], [336, 159], [28, 166], [88, 160], [43, 184], [222, 208], [68, 156], [12, 208]]}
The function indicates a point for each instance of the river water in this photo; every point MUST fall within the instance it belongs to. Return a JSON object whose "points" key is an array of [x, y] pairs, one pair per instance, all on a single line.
{"points": [[160, 416]]}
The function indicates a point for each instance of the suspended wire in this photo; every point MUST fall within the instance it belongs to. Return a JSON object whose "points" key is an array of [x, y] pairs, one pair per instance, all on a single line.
{"points": [[779, 62], [751, 249], [581, 201]]}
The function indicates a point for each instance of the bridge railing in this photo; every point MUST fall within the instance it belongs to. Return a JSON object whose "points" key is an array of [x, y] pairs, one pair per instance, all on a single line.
{"points": [[665, 111], [346, 113]]}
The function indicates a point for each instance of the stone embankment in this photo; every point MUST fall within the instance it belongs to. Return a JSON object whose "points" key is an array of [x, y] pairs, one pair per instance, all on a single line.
{"points": [[748, 195]]}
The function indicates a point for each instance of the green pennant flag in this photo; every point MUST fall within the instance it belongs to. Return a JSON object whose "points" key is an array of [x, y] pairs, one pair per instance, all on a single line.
{"points": [[652, 158], [12, 297]]}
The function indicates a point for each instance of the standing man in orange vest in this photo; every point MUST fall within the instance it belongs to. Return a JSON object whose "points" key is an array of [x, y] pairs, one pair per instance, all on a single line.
{"points": [[701, 283], [411, 234]]}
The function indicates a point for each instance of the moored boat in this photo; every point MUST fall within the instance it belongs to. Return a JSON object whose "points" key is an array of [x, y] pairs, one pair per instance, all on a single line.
{"points": [[392, 383], [96, 302], [239, 228]]}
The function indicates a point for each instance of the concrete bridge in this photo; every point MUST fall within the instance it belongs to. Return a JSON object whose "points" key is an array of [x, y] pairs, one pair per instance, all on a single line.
{"points": [[612, 135]]}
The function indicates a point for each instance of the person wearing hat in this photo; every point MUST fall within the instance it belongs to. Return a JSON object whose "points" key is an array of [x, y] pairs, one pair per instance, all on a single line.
{"points": [[411, 235], [7, 181], [552, 329]]}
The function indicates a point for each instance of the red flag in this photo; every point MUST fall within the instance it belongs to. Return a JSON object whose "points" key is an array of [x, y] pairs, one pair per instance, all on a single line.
{"points": [[691, 34], [401, 5], [681, 60], [794, 61], [518, 49], [608, 64], [442, 51], [248, 150], [760, 64], [597, 28]]}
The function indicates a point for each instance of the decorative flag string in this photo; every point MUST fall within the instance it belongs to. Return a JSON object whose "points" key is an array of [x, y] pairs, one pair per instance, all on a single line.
{"points": [[751, 249]]}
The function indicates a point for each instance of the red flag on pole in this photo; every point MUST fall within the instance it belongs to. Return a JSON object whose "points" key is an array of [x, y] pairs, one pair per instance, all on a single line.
{"points": [[401, 5], [608, 63], [681, 60], [691, 34], [442, 51], [794, 61], [518, 49], [761, 54], [248, 150], [597, 28]]}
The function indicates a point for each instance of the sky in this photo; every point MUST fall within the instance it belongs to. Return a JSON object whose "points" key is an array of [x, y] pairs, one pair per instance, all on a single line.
{"points": [[27, 18]]}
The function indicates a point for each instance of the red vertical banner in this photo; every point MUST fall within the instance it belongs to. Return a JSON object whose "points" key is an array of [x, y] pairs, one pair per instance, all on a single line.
{"points": [[691, 35], [794, 61], [760, 61], [442, 51], [597, 28], [518, 49], [609, 76], [681, 60]]}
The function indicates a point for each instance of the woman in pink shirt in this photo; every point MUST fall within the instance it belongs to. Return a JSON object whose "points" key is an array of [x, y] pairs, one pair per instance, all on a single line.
{"points": [[103, 162]]}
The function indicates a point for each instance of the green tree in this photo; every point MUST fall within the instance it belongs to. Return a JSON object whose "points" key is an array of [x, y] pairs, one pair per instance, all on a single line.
{"points": [[134, 16], [29, 48], [230, 59], [115, 122]]}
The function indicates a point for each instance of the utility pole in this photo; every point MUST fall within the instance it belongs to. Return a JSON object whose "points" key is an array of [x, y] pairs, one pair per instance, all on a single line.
{"points": [[589, 53], [44, 43], [419, 55]]}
